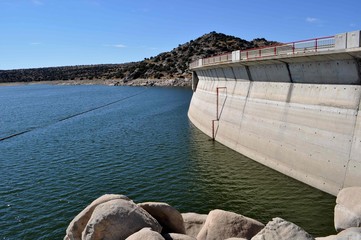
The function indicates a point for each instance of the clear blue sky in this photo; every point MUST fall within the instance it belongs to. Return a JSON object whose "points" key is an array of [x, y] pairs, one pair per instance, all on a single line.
{"points": [[41, 33]]}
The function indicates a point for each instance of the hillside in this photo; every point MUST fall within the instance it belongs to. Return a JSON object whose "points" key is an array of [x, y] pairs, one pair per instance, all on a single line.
{"points": [[167, 65]]}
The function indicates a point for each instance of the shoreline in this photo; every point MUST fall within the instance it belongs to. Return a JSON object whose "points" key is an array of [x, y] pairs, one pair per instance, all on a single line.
{"points": [[111, 82]]}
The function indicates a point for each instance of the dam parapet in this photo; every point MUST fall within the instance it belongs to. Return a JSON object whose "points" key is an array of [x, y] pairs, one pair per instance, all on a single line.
{"points": [[344, 42], [293, 107]]}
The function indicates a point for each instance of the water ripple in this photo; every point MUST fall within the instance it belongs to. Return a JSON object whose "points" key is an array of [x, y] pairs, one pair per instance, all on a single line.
{"points": [[144, 148]]}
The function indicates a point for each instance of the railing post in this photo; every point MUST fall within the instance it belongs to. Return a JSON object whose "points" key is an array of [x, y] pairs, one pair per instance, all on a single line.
{"points": [[275, 51], [316, 44], [293, 48]]}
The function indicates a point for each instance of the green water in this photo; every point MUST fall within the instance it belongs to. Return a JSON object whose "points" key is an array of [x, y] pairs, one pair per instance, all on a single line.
{"points": [[79, 142]]}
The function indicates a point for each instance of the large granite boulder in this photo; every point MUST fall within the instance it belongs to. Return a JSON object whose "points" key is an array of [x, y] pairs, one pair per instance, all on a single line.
{"points": [[118, 219], [279, 229], [332, 237], [222, 225], [177, 236], [145, 234], [348, 234], [193, 223], [77, 225], [169, 217], [348, 208], [234, 238]]}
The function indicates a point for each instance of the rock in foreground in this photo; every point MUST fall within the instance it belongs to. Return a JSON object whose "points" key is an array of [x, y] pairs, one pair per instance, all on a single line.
{"points": [[177, 236], [166, 215], [78, 224], [222, 225], [348, 208], [146, 234], [348, 234], [118, 219], [279, 229], [193, 223]]}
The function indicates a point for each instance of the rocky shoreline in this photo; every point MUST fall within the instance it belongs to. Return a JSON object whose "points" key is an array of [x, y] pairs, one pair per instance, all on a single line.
{"points": [[177, 82], [114, 217]]}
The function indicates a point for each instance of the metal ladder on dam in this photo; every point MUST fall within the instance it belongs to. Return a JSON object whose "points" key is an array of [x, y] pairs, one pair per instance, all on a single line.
{"points": [[218, 113]]}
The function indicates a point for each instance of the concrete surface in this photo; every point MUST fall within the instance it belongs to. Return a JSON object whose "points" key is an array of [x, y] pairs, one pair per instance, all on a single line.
{"points": [[302, 119]]}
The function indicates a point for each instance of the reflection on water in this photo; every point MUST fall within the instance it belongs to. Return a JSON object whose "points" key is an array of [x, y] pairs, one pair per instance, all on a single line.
{"points": [[234, 182]]}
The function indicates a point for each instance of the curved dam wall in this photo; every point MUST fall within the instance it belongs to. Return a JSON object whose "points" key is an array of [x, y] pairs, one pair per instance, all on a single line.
{"points": [[300, 117]]}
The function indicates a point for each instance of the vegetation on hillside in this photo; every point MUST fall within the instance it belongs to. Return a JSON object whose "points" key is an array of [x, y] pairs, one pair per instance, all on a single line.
{"points": [[167, 65]]}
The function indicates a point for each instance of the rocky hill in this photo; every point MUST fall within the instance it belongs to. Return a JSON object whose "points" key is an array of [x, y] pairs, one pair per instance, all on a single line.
{"points": [[167, 65]]}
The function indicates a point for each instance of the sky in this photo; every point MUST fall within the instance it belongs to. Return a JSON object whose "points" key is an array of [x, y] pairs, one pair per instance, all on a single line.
{"points": [[46, 33]]}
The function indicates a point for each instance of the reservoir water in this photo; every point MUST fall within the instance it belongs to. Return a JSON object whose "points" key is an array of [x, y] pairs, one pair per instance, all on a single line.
{"points": [[63, 146]]}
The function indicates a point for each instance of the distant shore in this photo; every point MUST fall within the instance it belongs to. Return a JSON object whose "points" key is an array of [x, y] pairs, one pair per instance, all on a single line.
{"points": [[180, 82]]}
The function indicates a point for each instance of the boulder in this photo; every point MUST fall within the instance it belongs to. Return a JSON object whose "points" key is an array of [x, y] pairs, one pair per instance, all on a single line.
{"points": [[193, 223], [332, 237], [177, 236], [169, 217], [348, 208], [236, 238], [279, 229], [145, 234], [118, 219], [350, 233], [77, 225], [222, 225]]}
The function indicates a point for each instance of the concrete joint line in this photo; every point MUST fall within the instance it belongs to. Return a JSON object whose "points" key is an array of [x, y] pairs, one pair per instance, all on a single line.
{"points": [[248, 74], [234, 75], [288, 70], [243, 110], [358, 66], [352, 143]]}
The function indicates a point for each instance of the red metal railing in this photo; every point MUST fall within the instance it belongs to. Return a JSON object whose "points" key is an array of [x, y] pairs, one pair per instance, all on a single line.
{"points": [[194, 64], [217, 59], [304, 46]]}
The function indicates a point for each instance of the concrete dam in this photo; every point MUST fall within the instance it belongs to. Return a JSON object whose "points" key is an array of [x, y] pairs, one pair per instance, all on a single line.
{"points": [[293, 107]]}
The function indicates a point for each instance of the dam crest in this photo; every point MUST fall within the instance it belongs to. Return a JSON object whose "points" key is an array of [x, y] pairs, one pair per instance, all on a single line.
{"points": [[293, 107]]}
